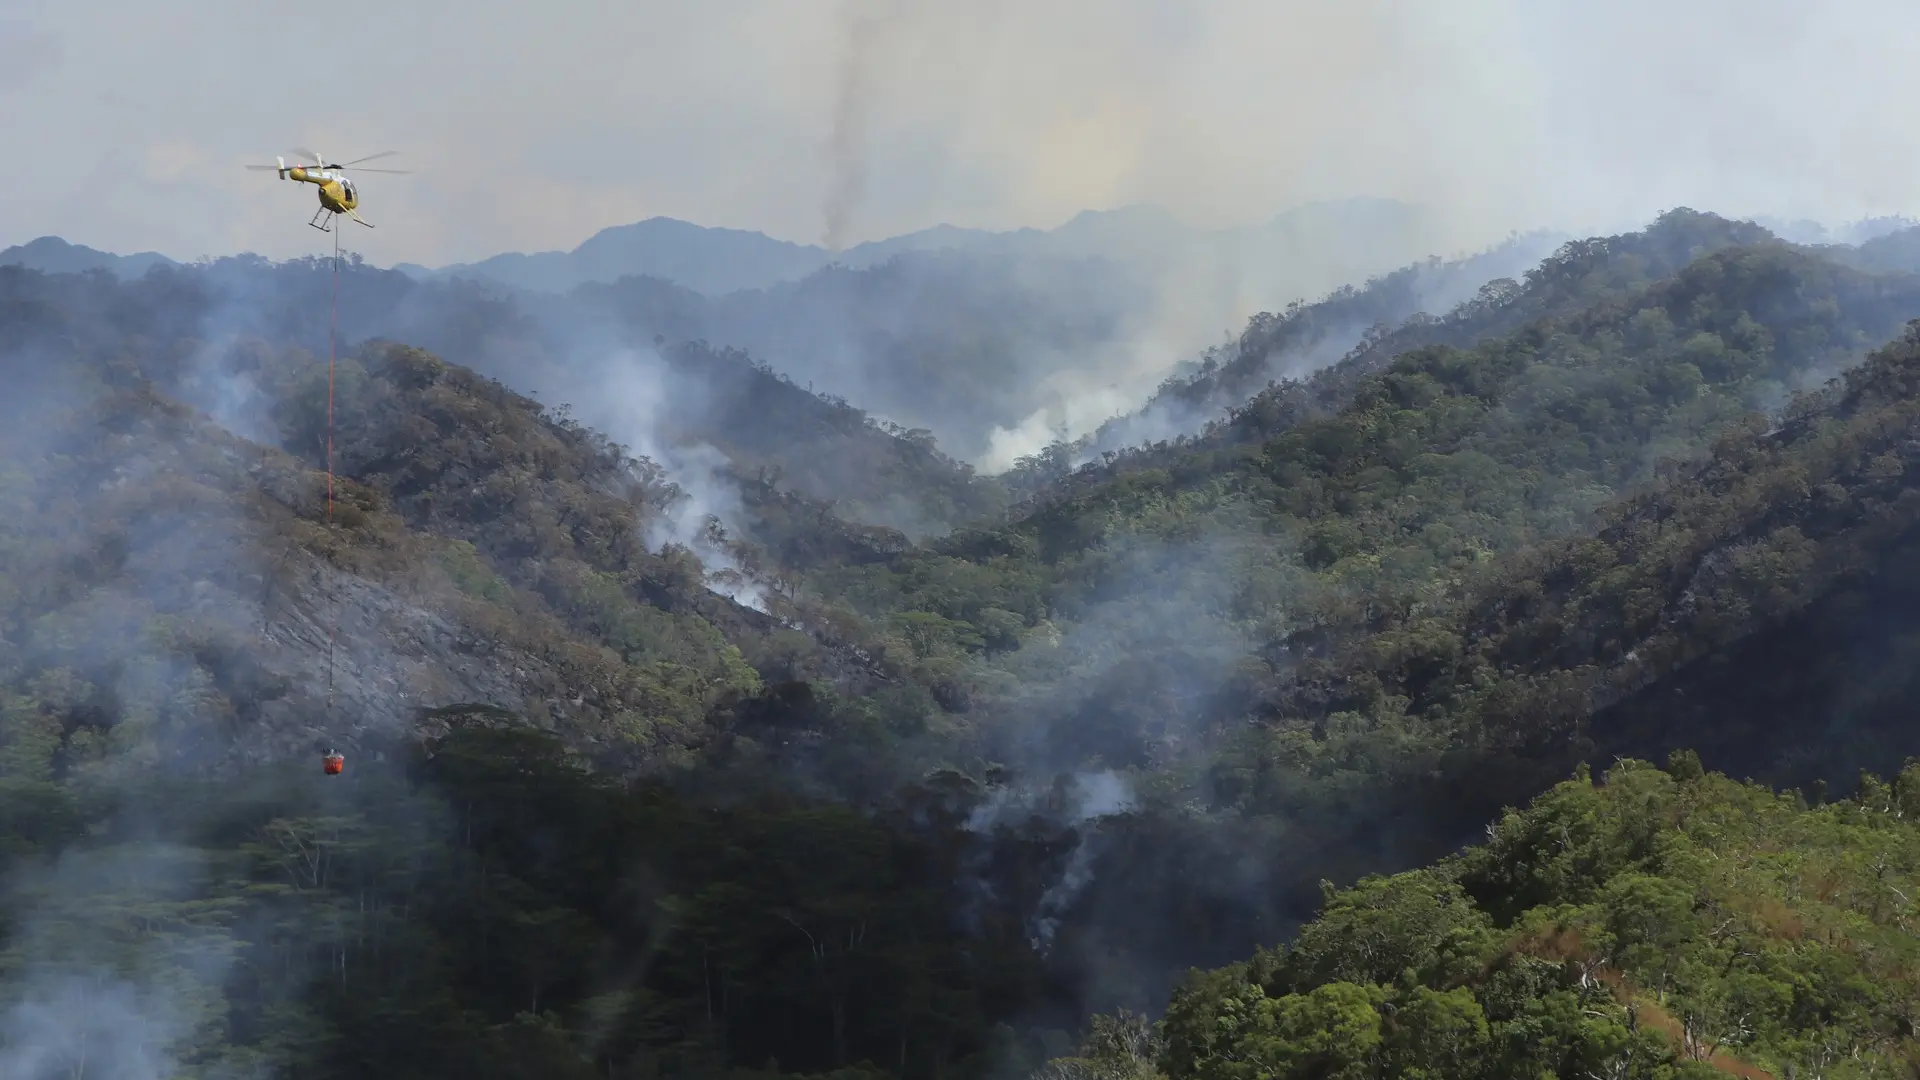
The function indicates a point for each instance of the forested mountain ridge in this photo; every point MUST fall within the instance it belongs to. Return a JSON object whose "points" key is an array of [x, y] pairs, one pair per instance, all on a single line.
{"points": [[174, 590], [1270, 617], [1554, 655], [939, 800], [1302, 338], [623, 384], [1575, 276], [1450, 456]]}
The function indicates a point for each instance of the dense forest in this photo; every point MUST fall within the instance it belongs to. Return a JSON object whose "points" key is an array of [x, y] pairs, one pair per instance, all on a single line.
{"points": [[710, 727]]}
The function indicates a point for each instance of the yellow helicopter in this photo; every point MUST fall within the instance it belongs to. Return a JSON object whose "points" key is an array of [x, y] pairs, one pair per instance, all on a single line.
{"points": [[338, 195]]}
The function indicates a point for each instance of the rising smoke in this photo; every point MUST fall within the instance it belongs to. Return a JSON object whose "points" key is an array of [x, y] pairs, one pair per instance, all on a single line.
{"points": [[632, 394], [82, 1003], [861, 23], [1075, 803]]}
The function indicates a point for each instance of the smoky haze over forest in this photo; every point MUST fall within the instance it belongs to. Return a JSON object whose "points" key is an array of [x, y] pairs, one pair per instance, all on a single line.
{"points": [[869, 541], [835, 124], [868, 119]]}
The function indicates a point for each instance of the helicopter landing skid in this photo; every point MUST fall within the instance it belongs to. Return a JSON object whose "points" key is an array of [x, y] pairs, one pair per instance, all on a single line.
{"points": [[316, 223]]}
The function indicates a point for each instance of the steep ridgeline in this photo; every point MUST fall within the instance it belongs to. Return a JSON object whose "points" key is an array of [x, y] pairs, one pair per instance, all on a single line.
{"points": [[1579, 275], [1756, 606], [175, 596], [691, 405], [1306, 337], [631, 361], [483, 550]]}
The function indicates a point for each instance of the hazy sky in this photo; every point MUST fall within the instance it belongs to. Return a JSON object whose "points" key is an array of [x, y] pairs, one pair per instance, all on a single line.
{"points": [[532, 124]]}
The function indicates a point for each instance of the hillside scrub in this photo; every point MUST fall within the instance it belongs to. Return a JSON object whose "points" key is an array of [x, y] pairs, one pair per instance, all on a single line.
{"points": [[1654, 924]]}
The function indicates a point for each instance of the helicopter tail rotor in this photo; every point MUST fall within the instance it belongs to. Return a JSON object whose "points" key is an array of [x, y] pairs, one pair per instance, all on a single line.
{"points": [[279, 166]]}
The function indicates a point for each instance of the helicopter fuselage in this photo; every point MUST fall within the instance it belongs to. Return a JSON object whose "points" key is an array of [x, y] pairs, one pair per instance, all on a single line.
{"points": [[336, 192]]}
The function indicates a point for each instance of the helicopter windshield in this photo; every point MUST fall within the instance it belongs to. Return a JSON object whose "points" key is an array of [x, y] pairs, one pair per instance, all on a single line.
{"points": [[346, 185]]}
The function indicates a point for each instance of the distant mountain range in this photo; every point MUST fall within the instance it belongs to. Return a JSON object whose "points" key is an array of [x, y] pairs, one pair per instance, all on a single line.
{"points": [[52, 255], [720, 261], [1866, 230]]}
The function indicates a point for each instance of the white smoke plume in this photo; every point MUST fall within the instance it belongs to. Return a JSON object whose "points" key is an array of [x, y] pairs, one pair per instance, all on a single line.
{"points": [[631, 402], [1088, 798]]}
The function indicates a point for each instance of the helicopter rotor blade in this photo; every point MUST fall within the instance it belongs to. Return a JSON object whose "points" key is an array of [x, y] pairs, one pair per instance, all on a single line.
{"points": [[355, 168], [264, 168], [317, 159], [369, 157]]}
